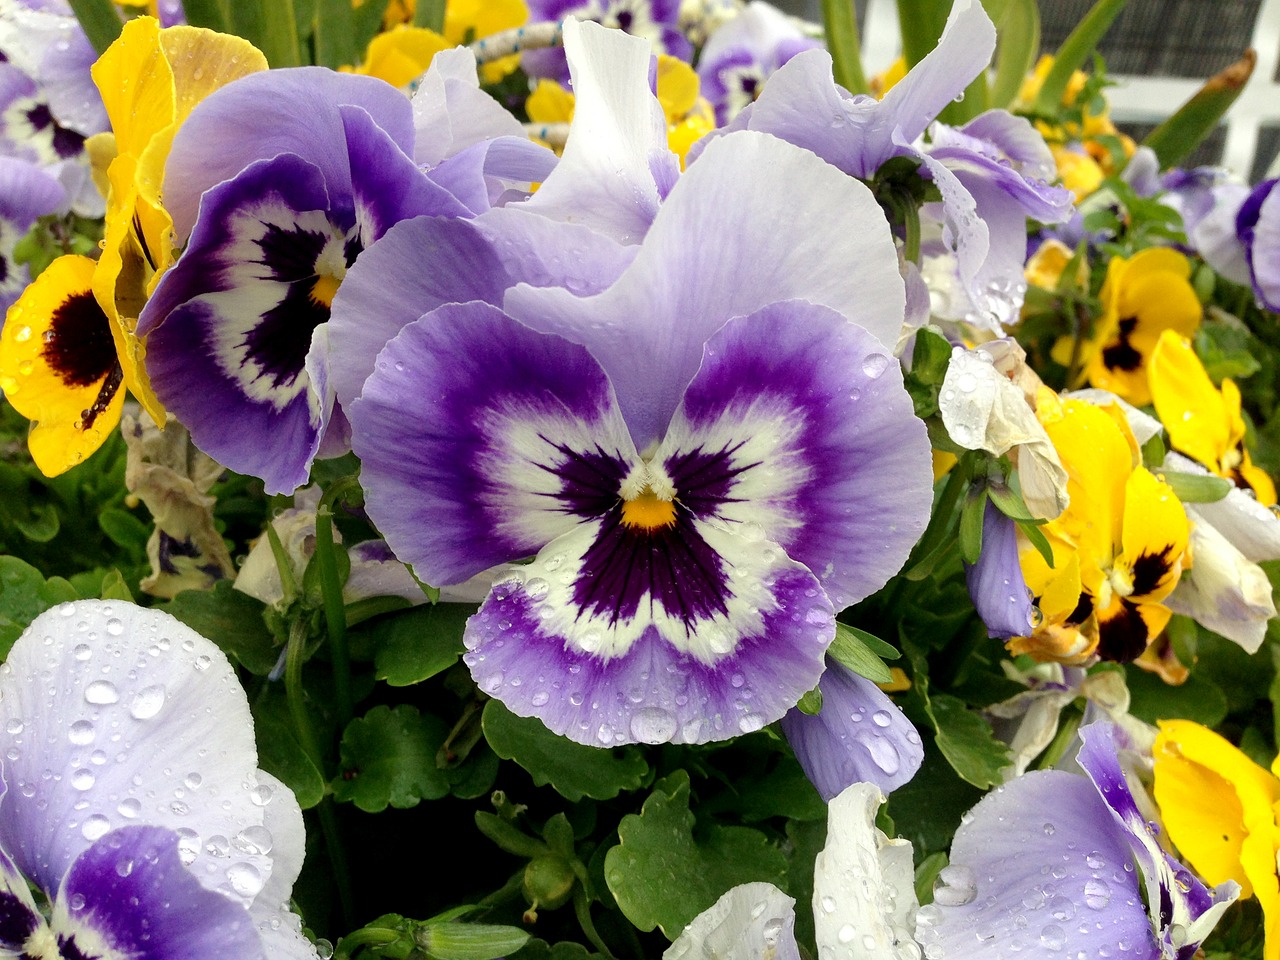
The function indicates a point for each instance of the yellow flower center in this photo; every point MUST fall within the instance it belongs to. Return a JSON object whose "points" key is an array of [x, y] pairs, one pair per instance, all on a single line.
{"points": [[648, 511], [324, 288]]}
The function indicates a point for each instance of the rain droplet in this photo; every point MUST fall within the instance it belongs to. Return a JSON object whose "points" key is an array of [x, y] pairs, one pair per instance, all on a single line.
{"points": [[874, 365], [83, 779], [245, 879], [115, 627], [101, 693], [1097, 894], [653, 725], [81, 732], [147, 702], [95, 827]]}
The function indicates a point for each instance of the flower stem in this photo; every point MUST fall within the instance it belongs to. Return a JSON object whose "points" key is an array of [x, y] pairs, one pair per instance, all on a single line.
{"points": [[335, 614]]}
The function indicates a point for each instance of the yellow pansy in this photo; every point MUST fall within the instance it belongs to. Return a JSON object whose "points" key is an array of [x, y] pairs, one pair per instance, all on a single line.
{"points": [[465, 21], [150, 80], [1078, 171], [1143, 296], [1045, 267], [689, 115], [1117, 548], [401, 55], [1202, 422], [885, 81], [1219, 809]]}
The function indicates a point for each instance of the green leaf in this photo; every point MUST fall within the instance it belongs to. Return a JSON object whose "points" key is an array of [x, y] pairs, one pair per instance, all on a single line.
{"points": [[335, 34], [280, 754], [575, 770], [469, 941], [114, 587], [1196, 487], [662, 877], [967, 741], [537, 949], [37, 521], [811, 703], [783, 792], [920, 23], [1036, 536], [1192, 122], [854, 649], [419, 643], [211, 14], [231, 619], [1073, 53], [1018, 27], [429, 14], [100, 20], [840, 27], [389, 758], [1153, 452], [1152, 699], [124, 530], [975, 504], [926, 873], [24, 595], [1227, 349], [930, 356]]}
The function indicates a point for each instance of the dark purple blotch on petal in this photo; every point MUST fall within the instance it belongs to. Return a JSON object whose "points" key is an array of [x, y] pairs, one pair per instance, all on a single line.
{"points": [[17, 921]]}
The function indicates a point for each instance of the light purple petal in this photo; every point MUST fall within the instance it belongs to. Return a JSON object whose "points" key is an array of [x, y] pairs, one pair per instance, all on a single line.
{"points": [[452, 113], [1262, 243], [797, 426], [1014, 137], [479, 175], [1038, 869], [115, 715], [605, 179], [482, 441], [265, 114], [130, 894], [859, 735], [755, 221], [27, 192], [700, 635], [996, 584]]}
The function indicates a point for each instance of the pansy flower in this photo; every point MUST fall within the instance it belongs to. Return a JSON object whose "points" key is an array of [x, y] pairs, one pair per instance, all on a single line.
{"points": [[655, 21], [1203, 422], [75, 343], [1117, 548], [27, 192], [708, 453], [1220, 810], [990, 172], [744, 53], [1051, 863], [319, 166], [132, 800], [1142, 297]]}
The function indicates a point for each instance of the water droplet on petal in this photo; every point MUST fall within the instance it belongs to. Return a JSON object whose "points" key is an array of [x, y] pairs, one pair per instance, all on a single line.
{"points": [[147, 702], [101, 693]]}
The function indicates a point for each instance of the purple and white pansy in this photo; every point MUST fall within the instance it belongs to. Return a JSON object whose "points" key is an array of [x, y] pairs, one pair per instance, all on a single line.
{"points": [[132, 800], [655, 21], [992, 173], [315, 167], [707, 449], [1049, 865]]}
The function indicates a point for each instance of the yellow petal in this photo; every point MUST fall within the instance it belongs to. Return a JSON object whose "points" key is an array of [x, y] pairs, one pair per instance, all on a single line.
{"points": [[677, 87], [58, 366], [468, 20], [549, 103], [1192, 411], [136, 83], [402, 55], [1218, 808], [1154, 538]]}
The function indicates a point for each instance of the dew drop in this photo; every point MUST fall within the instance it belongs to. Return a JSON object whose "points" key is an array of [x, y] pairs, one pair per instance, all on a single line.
{"points": [[1097, 894], [95, 827], [147, 702], [874, 365], [81, 732], [245, 879], [101, 693], [653, 725]]}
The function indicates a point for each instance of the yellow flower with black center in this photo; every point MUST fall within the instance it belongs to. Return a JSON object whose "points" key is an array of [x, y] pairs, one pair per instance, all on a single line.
{"points": [[1142, 297], [1220, 810], [69, 342], [1203, 422], [1117, 548]]}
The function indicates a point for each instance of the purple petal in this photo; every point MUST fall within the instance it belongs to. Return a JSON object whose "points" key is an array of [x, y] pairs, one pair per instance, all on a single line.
{"points": [[1183, 909], [859, 735], [996, 584], [1012, 136], [229, 327], [797, 426], [1258, 224], [289, 111], [130, 893], [19, 916], [27, 192], [479, 175], [452, 113], [1038, 869], [387, 186], [755, 221], [482, 441], [112, 715], [612, 637]]}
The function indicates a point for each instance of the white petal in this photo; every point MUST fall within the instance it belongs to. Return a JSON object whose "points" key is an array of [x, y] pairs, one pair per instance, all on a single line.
{"points": [[753, 921]]}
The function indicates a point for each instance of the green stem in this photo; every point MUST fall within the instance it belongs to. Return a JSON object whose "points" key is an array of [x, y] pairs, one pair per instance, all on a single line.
{"points": [[295, 654], [841, 26], [365, 937], [101, 22], [337, 859], [335, 614], [288, 582], [1066, 731], [429, 14], [582, 907]]}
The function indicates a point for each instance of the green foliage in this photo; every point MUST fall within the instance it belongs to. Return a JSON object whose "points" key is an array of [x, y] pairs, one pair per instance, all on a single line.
{"points": [[233, 620], [574, 770], [862, 653], [388, 757], [24, 595], [663, 876], [412, 646]]}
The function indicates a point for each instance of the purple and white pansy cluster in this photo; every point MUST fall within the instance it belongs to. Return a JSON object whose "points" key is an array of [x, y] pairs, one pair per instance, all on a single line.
{"points": [[134, 820], [695, 427]]}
